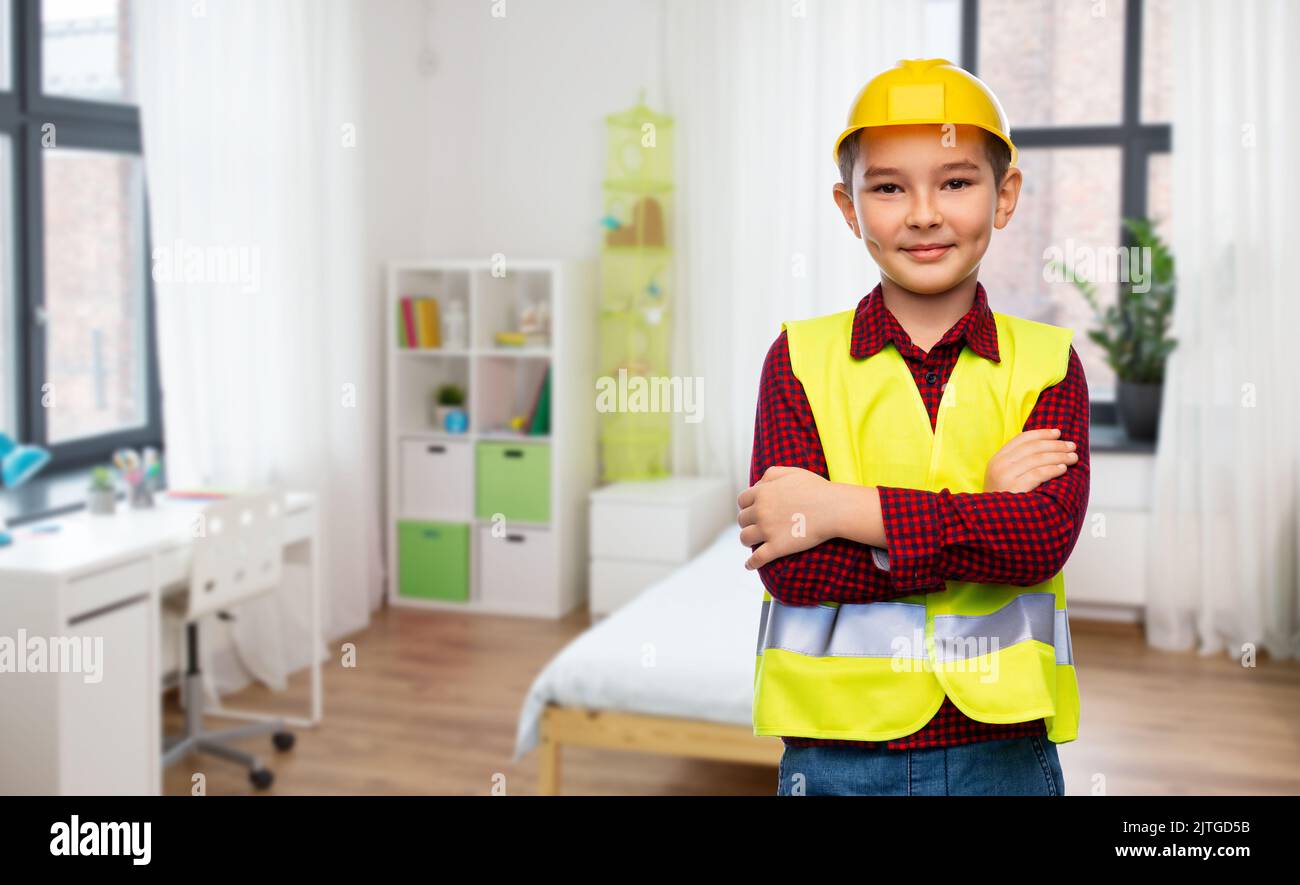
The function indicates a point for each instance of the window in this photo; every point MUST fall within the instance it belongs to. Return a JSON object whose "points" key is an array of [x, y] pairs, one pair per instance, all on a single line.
{"points": [[84, 50], [1086, 84], [80, 374], [8, 363], [94, 285], [6, 45]]}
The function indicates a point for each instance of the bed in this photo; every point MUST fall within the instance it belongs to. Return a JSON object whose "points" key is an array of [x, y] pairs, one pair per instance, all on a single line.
{"points": [[671, 672]]}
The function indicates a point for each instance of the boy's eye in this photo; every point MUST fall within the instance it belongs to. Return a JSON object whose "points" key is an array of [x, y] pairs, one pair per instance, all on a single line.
{"points": [[880, 188]]}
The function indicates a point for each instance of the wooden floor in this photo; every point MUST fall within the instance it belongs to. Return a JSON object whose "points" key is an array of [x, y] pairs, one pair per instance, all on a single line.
{"points": [[432, 704]]}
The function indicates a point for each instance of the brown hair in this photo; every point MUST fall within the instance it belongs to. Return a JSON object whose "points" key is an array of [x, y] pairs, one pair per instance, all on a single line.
{"points": [[999, 157]]}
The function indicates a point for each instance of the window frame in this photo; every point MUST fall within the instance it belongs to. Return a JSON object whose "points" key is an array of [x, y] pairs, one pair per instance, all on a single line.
{"points": [[1138, 141], [79, 124]]}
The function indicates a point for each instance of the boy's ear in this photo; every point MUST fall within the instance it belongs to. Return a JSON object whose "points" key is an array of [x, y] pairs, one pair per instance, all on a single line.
{"points": [[1008, 197], [844, 200]]}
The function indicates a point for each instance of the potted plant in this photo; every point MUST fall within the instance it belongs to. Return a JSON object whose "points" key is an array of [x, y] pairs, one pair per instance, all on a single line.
{"points": [[450, 401], [102, 495], [1133, 333]]}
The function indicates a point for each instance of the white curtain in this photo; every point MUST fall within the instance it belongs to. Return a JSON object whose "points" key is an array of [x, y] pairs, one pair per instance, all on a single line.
{"points": [[759, 92], [266, 336], [1223, 555]]}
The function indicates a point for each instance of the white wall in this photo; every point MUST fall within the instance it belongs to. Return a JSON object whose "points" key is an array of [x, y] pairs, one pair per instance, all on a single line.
{"points": [[501, 147]]}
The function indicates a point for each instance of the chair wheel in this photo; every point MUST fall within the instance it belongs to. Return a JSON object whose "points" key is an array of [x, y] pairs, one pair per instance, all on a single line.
{"points": [[283, 740], [261, 777]]}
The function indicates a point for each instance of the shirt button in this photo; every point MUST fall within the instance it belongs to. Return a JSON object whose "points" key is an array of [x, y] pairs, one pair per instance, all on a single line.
{"points": [[931, 377]]}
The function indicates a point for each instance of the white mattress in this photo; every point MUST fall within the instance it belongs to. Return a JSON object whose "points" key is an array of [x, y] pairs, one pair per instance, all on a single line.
{"points": [[683, 648]]}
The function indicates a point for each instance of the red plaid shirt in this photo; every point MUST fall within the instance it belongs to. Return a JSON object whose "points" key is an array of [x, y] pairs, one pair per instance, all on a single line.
{"points": [[990, 537]]}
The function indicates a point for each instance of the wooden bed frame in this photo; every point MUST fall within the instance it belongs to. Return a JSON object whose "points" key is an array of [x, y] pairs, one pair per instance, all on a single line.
{"points": [[607, 729]]}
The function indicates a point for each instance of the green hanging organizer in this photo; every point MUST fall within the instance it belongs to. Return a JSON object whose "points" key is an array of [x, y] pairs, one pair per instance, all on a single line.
{"points": [[636, 288]]}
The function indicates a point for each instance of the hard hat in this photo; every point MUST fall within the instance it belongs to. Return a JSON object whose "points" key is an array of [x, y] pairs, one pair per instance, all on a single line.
{"points": [[927, 90]]}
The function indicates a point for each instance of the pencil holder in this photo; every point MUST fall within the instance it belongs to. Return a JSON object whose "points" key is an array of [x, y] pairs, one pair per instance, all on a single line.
{"points": [[141, 495]]}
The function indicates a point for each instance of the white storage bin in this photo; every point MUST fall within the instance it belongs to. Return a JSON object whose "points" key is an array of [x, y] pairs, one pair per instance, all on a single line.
{"points": [[518, 571], [437, 479]]}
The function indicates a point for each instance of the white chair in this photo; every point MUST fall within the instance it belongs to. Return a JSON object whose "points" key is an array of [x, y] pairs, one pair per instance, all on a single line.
{"points": [[237, 555]]}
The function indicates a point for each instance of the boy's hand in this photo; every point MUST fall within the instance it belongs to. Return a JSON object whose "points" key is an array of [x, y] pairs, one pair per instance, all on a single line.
{"points": [[1028, 460], [790, 509]]}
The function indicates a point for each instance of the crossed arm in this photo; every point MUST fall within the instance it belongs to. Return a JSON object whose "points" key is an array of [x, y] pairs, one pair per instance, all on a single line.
{"points": [[1006, 537]]}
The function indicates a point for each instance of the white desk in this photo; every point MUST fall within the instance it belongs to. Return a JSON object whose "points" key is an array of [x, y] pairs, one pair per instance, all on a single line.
{"points": [[102, 577]]}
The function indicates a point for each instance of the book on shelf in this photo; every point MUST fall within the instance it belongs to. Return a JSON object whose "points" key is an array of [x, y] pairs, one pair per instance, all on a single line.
{"points": [[539, 417], [427, 311], [408, 322], [419, 325]]}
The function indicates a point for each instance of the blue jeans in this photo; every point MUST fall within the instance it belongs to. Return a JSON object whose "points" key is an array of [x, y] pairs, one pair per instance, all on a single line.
{"points": [[1012, 767]]}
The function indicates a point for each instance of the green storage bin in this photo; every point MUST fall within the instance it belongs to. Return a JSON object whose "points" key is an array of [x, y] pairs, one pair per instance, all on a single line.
{"points": [[513, 479], [433, 560]]}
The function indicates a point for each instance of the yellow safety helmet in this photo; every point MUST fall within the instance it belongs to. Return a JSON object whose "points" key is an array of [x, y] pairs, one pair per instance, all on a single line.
{"points": [[927, 90]]}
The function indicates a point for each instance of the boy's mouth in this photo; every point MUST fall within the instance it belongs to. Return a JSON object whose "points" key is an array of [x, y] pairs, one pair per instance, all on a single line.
{"points": [[929, 251]]}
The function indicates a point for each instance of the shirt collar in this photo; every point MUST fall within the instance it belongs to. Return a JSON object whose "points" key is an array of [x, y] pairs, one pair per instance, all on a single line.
{"points": [[874, 327]]}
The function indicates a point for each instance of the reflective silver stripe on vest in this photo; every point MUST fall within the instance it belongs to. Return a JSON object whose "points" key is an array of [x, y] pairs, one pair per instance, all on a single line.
{"points": [[762, 624], [858, 630], [868, 630], [1064, 647], [1028, 616]]}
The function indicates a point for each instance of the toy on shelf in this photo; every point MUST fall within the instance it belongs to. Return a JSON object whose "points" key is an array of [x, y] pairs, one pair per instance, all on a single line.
{"points": [[518, 340], [535, 322], [457, 422], [455, 327]]}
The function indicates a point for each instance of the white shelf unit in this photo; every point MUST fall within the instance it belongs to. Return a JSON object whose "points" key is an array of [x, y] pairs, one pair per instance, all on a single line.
{"points": [[444, 489]]}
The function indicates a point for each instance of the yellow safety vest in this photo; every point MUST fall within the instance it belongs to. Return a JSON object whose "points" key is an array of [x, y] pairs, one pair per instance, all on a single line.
{"points": [[878, 671]]}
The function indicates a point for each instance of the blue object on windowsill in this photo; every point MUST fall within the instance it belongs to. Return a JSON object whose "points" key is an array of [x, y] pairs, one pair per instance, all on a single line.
{"points": [[18, 463]]}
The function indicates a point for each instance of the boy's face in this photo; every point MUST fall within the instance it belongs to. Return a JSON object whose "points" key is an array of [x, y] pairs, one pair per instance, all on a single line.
{"points": [[912, 186]]}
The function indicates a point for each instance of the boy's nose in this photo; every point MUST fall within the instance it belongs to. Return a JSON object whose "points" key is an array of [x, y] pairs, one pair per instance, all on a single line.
{"points": [[923, 213]]}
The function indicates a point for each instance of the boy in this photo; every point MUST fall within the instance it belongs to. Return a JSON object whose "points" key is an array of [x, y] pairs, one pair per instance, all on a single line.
{"points": [[919, 477]]}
